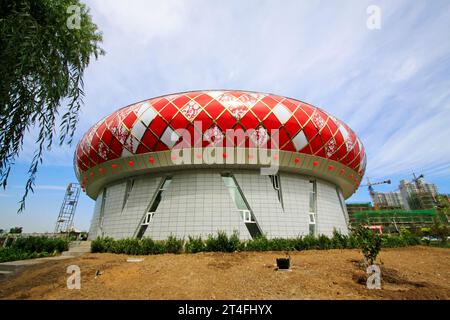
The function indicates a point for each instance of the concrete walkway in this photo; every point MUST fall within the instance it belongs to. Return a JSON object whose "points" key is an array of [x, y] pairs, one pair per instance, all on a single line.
{"points": [[13, 266]]}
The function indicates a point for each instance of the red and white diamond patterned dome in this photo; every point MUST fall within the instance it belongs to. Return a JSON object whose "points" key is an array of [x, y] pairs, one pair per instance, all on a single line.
{"points": [[147, 126]]}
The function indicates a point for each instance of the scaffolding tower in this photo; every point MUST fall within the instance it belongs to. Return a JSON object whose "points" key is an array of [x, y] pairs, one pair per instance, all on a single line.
{"points": [[64, 223]]}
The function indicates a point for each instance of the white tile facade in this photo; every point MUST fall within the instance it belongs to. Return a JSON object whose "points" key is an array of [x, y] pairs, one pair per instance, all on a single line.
{"points": [[198, 203]]}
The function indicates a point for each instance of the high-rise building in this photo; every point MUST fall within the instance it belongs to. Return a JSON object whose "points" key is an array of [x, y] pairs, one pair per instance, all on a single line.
{"points": [[388, 199], [421, 191]]}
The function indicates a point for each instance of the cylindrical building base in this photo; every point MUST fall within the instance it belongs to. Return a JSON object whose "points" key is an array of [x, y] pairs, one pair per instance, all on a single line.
{"points": [[203, 202]]}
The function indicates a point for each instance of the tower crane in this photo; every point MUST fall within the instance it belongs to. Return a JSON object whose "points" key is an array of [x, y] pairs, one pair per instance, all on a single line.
{"points": [[370, 185]]}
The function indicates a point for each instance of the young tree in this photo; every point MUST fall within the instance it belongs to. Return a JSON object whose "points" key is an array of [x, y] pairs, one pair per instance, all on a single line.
{"points": [[369, 242], [45, 46], [16, 230]]}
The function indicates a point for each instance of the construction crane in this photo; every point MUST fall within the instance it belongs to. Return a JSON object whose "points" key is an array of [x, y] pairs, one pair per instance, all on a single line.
{"points": [[370, 185], [65, 218]]}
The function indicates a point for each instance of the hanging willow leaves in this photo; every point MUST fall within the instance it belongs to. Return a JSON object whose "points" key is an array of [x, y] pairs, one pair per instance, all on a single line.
{"points": [[41, 76]]}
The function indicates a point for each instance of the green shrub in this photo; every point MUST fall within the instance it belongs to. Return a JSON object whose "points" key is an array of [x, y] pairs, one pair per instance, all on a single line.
{"points": [[257, 244], [234, 243], [310, 242], [174, 245], [32, 247], [352, 241], [280, 244], [323, 242], [40, 244], [194, 245], [147, 246], [298, 244], [339, 241], [132, 246], [159, 247], [10, 254], [222, 243], [103, 245], [393, 241], [440, 230], [369, 242], [409, 238]]}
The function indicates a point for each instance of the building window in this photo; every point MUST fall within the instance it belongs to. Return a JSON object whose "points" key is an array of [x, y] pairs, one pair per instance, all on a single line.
{"points": [[275, 179], [235, 193], [148, 217], [238, 198], [342, 203], [102, 212], [247, 216], [128, 188], [312, 207]]}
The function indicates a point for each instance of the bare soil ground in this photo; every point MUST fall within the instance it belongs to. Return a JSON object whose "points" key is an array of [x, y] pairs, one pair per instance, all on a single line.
{"points": [[407, 273]]}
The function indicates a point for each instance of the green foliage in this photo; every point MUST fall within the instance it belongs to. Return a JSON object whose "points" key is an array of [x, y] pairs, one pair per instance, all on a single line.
{"points": [[352, 241], [42, 67], [102, 245], [11, 254], [440, 230], [133, 246], [148, 246], [223, 243], [424, 232], [127, 246], [32, 247], [15, 230], [323, 242], [365, 239], [280, 244], [310, 242], [257, 244], [409, 238], [159, 248], [339, 241], [392, 241], [174, 245], [369, 242], [40, 244], [195, 244]]}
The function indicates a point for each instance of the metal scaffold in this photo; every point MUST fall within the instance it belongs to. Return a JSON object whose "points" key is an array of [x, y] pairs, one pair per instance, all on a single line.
{"points": [[64, 223]]}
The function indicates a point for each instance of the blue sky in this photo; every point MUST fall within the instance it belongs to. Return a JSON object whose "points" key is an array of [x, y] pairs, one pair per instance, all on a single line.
{"points": [[392, 85]]}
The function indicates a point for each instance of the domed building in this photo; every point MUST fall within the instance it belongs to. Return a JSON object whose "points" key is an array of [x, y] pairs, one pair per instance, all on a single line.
{"points": [[199, 162]]}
